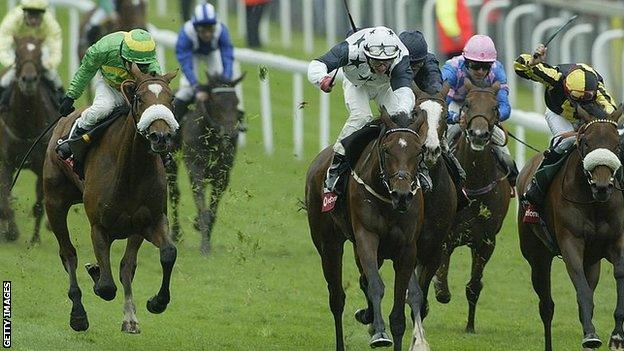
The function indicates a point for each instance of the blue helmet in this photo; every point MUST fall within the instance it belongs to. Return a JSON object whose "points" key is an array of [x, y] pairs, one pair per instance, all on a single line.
{"points": [[204, 14], [415, 43]]}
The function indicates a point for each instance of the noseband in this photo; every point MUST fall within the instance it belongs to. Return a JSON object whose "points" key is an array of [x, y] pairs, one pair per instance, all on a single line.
{"points": [[580, 136], [134, 104]]}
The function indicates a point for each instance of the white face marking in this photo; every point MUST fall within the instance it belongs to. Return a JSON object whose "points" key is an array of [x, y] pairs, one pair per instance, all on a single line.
{"points": [[434, 111], [30, 46], [402, 143], [155, 88]]}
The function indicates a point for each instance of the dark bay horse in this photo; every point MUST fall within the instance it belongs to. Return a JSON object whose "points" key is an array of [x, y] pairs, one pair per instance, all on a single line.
{"points": [[209, 144], [382, 213], [124, 195], [586, 217], [31, 109], [477, 224], [132, 14]]}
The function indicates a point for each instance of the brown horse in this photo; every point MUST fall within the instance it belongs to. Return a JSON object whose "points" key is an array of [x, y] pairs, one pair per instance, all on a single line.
{"points": [[382, 213], [124, 195], [209, 143], [31, 109], [477, 224], [584, 214], [132, 14]]}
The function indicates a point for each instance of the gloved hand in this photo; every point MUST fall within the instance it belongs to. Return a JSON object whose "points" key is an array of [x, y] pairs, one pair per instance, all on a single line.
{"points": [[67, 106], [326, 84]]}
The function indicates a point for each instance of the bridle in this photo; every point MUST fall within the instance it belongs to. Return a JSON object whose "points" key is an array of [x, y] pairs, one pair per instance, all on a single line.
{"points": [[582, 146], [401, 174], [471, 118], [136, 98]]}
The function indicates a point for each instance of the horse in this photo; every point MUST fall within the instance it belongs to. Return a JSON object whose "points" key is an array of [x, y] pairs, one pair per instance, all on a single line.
{"points": [[209, 144], [132, 14], [488, 189], [382, 213], [584, 214], [31, 108], [124, 195]]}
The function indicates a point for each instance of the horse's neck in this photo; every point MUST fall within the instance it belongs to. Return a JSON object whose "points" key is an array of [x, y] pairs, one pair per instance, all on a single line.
{"points": [[29, 114], [480, 166]]}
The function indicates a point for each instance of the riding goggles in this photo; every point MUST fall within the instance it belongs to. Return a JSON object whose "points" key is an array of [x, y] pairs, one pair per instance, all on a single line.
{"points": [[485, 66], [582, 95], [378, 50]]}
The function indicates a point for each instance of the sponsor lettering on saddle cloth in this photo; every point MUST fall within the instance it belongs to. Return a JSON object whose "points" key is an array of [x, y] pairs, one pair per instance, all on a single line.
{"points": [[80, 146], [354, 145]]}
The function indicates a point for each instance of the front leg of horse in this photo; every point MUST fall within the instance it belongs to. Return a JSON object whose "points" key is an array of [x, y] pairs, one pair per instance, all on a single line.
{"points": [[367, 244], [440, 280], [616, 342], [202, 221], [127, 268], [168, 253], [8, 228], [174, 197], [572, 249], [480, 257], [403, 272], [104, 286], [38, 210], [417, 301]]}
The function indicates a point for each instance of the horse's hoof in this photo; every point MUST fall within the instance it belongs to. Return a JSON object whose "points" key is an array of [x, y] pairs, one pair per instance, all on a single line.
{"points": [[79, 323], [591, 341], [130, 327], [443, 296], [155, 306], [380, 340], [616, 343], [362, 317], [470, 329], [106, 292], [205, 248]]}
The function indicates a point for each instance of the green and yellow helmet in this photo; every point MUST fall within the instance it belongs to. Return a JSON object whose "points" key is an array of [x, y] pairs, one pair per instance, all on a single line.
{"points": [[139, 47], [581, 84], [34, 5]]}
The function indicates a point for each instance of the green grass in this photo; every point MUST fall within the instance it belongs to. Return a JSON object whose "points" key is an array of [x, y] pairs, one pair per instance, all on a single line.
{"points": [[262, 287]]}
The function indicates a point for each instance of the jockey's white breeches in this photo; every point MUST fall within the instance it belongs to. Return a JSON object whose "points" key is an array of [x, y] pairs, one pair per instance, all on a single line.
{"points": [[498, 135], [357, 100], [106, 99], [51, 75], [214, 66]]}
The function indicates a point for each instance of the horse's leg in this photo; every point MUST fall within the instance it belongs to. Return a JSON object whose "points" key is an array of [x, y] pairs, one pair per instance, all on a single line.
{"points": [[160, 237], [216, 193], [416, 300], [198, 185], [541, 264], [367, 244], [127, 268], [104, 287], [616, 256], [8, 228], [403, 271], [572, 249], [331, 259], [38, 209], [57, 216], [480, 257], [174, 197], [440, 280]]}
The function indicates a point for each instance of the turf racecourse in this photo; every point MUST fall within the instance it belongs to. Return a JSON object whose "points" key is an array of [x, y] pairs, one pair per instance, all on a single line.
{"points": [[262, 287]]}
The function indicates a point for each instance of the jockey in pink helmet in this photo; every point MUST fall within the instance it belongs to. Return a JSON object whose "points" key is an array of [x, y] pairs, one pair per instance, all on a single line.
{"points": [[478, 64]]}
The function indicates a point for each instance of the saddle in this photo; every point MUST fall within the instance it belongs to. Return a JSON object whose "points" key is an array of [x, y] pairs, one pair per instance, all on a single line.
{"points": [[80, 146]]}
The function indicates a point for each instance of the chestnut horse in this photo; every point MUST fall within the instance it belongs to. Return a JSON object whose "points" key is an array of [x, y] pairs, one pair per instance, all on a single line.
{"points": [[124, 195], [477, 224], [585, 216], [31, 109], [381, 212], [209, 144]]}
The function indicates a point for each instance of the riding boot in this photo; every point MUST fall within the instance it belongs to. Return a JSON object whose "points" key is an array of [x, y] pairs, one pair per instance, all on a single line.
{"points": [[180, 109], [63, 149], [458, 176], [536, 191], [507, 163], [425, 179], [453, 133], [338, 166]]}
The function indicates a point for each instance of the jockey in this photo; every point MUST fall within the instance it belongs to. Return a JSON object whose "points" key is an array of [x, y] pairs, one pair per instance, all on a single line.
{"points": [[105, 11], [478, 64], [567, 87], [202, 39], [376, 66], [428, 78], [31, 19], [110, 61]]}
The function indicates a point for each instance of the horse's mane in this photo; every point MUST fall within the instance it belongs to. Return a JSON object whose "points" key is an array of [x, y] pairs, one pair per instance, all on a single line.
{"points": [[402, 119], [595, 110]]}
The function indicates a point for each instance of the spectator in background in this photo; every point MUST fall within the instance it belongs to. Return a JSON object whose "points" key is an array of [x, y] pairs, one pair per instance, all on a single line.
{"points": [[454, 22], [254, 14]]}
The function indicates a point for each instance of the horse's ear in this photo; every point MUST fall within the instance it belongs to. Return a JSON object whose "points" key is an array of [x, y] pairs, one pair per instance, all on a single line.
{"points": [[495, 87], [582, 114], [615, 115], [136, 71], [239, 79], [128, 88], [445, 89], [170, 75], [385, 117], [468, 84]]}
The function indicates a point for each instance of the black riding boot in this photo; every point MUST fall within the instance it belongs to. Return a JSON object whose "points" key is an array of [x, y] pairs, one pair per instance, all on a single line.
{"points": [[536, 191], [338, 166], [425, 179], [63, 149], [458, 176], [507, 163], [180, 109]]}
